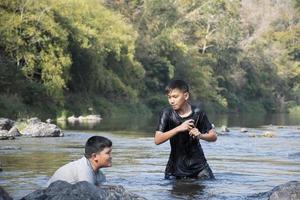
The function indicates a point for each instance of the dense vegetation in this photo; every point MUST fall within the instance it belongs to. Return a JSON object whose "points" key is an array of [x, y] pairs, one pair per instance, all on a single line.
{"points": [[75, 57]]}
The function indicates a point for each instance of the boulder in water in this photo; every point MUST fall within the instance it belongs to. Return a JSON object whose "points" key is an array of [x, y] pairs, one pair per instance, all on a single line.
{"points": [[33, 120], [287, 191], [224, 129], [4, 135], [6, 124], [82, 190], [244, 130], [4, 195], [41, 129], [14, 132]]}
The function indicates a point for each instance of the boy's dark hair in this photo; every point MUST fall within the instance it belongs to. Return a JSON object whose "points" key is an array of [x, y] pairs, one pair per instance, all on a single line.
{"points": [[96, 144], [177, 84]]}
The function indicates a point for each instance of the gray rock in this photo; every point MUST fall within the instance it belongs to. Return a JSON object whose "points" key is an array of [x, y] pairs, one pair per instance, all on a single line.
{"points": [[14, 132], [5, 136], [61, 190], [224, 129], [41, 129], [9, 148], [4, 195], [244, 130], [6, 124], [287, 191], [33, 120]]}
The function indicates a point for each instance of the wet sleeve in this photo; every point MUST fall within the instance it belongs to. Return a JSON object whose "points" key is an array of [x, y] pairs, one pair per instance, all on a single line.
{"points": [[163, 121], [204, 125]]}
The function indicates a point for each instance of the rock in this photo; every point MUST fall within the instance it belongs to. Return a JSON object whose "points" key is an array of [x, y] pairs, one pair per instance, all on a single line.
{"points": [[33, 120], [287, 191], [49, 121], [5, 136], [224, 129], [84, 119], [4, 195], [14, 132], [213, 126], [244, 130], [268, 134], [82, 190], [92, 118], [41, 129], [72, 119], [6, 124], [9, 148]]}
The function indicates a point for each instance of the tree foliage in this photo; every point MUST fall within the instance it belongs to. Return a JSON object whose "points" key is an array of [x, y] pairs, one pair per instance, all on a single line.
{"points": [[234, 54]]}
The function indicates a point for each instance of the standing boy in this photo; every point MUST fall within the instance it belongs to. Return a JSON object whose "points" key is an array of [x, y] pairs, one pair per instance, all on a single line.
{"points": [[184, 125], [97, 155]]}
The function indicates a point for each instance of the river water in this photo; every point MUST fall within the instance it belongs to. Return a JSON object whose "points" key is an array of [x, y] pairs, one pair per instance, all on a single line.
{"points": [[243, 163]]}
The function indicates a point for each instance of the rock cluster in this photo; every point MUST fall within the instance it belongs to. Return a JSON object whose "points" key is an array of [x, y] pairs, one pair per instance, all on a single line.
{"points": [[82, 190]]}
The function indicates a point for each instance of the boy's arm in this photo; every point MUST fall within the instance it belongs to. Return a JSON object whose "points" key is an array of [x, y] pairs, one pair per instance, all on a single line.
{"points": [[211, 136], [161, 137]]}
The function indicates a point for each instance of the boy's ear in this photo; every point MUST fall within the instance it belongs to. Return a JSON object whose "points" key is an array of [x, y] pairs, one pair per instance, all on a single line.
{"points": [[186, 95], [93, 155]]}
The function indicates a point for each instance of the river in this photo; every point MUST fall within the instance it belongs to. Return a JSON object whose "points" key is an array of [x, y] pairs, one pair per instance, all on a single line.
{"points": [[243, 163]]}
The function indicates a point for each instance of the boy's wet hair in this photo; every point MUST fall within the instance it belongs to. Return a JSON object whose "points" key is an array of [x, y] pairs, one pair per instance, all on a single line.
{"points": [[96, 144], [177, 84]]}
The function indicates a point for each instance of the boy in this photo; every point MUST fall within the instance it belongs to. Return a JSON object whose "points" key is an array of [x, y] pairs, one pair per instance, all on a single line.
{"points": [[97, 155], [184, 125]]}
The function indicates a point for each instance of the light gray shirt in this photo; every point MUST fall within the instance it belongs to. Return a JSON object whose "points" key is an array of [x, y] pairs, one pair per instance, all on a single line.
{"points": [[76, 171]]}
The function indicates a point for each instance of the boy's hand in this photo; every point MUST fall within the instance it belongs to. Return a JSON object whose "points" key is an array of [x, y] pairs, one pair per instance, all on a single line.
{"points": [[188, 125], [194, 133]]}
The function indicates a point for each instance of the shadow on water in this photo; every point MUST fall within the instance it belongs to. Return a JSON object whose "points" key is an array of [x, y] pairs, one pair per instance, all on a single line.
{"points": [[187, 188]]}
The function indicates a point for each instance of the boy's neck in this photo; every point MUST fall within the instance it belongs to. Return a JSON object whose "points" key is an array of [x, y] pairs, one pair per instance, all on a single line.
{"points": [[185, 110], [95, 169]]}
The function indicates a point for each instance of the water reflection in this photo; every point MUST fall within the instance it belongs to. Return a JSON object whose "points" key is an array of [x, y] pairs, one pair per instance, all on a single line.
{"points": [[187, 188], [146, 124]]}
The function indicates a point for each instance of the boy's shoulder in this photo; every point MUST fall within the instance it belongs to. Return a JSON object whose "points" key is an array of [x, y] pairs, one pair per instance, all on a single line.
{"points": [[196, 109], [167, 110]]}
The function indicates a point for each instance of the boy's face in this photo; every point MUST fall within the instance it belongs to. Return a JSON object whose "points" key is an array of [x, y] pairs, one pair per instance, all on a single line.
{"points": [[103, 158], [177, 98]]}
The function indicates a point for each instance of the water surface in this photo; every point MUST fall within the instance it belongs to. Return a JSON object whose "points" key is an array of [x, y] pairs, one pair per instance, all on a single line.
{"points": [[243, 163]]}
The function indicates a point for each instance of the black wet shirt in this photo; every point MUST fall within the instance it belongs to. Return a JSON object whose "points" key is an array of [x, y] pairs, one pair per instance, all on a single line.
{"points": [[186, 157]]}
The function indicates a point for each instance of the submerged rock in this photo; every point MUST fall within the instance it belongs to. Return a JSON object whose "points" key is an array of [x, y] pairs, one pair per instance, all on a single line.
{"points": [[82, 190], [4, 195], [287, 191]]}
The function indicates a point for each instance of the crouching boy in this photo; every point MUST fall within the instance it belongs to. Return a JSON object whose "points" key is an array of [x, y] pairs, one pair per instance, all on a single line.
{"points": [[97, 155]]}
